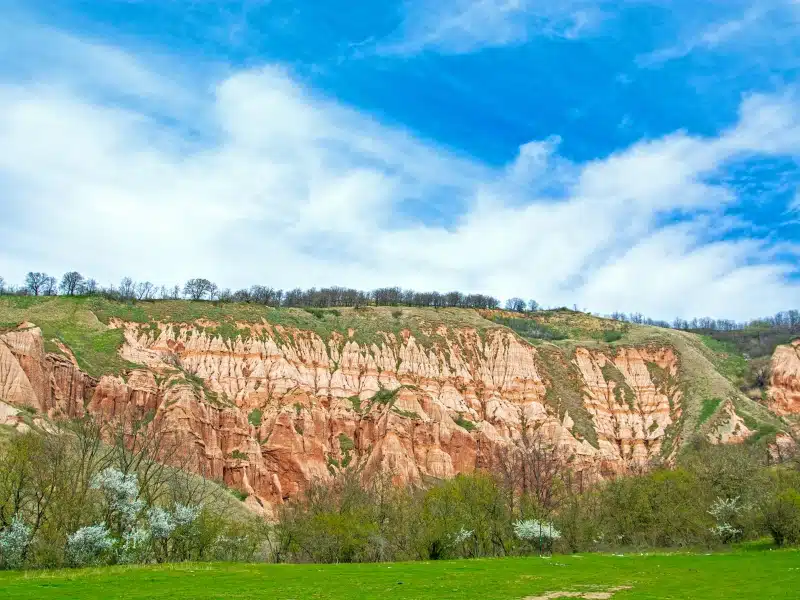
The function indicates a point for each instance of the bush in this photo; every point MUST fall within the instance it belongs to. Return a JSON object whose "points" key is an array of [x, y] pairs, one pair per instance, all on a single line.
{"points": [[782, 516], [254, 418], [14, 541], [89, 546], [539, 534], [612, 336]]}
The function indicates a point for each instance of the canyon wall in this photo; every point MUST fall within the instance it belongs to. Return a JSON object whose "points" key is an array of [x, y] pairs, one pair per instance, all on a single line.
{"points": [[272, 409], [269, 409], [784, 380]]}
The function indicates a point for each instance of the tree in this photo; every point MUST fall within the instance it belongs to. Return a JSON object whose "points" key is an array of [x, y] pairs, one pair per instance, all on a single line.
{"points": [[90, 287], [2, 285], [49, 286], [199, 288], [34, 282], [71, 283], [533, 305], [126, 287], [144, 290], [515, 304]]}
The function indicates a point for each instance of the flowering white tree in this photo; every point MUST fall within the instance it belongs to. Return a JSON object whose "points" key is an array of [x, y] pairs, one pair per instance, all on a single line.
{"points": [[143, 535], [726, 511], [14, 540], [536, 532], [89, 545], [122, 495]]}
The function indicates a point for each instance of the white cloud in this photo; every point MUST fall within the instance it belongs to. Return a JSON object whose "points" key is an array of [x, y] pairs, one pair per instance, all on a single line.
{"points": [[460, 26], [743, 30], [275, 184], [794, 205]]}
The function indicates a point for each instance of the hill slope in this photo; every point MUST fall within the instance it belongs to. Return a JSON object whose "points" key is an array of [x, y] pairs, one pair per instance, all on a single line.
{"points": [[270, 399]]}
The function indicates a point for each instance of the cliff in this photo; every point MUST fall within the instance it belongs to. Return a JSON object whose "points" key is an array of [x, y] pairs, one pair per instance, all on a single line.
{"points": [[267, 401], [784, 380]]}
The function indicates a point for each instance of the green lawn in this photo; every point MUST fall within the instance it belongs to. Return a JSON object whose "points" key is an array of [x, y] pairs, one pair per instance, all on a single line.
{"points": [[748, 575]]}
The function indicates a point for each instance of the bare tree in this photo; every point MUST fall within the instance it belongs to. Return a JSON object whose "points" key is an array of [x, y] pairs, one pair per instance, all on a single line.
{"points": [[544, 465], [144, 290], [49, 286], [90, 286], [34, 281], [199, 288], [533, 465], [2, 285], [143, 446], [71, 283], [126, 287]]}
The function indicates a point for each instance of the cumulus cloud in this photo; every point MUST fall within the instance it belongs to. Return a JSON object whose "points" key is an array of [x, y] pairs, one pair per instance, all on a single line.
{"points": [[267, 181]]}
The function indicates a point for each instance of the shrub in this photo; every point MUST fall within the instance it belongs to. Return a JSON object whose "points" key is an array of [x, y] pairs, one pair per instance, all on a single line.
{"points": [[782, 516], [537, 533], [254, 418], [384, 396], [612, 336], [14, 541], [726, 511], [122, 494], [136, 547], [161, 523], [464, 423], [89, 546]]}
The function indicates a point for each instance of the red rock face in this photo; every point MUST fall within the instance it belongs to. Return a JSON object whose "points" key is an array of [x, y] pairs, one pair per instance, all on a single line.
{"points": [[784, 385], [271, 413]]}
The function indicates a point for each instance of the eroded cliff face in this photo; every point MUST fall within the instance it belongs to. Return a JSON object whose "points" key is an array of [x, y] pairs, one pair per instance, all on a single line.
{"points": [[273, 409], [784, 383]]}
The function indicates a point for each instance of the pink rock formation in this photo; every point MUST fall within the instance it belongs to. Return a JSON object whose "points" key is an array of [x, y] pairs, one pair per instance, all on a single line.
{"points": [[279, 408], [784, 385]]}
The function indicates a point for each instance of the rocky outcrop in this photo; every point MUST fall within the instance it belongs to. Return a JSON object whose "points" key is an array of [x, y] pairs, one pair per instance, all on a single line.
{"points": [[728, 427], [270, 409], [784, 382]]}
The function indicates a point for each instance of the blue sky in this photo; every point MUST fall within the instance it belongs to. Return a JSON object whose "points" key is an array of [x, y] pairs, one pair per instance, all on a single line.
{"points": [[638, 155]]}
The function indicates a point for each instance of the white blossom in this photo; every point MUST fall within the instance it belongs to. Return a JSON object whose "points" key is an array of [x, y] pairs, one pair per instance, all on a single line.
{"points": [[725, 511], [122, 493], [135, 545], [185, 514], [461, 536], [13, 541], [162, 523], [531, 529], [87, 545], [725, 532]]}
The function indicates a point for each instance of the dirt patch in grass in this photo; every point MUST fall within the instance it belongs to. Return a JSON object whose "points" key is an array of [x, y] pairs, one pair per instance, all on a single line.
{"points": [[600, 595]]}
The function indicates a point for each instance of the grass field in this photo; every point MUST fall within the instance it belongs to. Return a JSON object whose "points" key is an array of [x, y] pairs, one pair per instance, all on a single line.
{"points": [[762, 575]]}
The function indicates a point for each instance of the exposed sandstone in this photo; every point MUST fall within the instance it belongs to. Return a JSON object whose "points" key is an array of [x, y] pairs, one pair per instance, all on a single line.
{"points": [[278, 408], [784, 384], [728, 426]]}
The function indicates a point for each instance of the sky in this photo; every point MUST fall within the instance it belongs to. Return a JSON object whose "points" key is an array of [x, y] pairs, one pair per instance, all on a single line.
{"points": [[634, 155]]}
